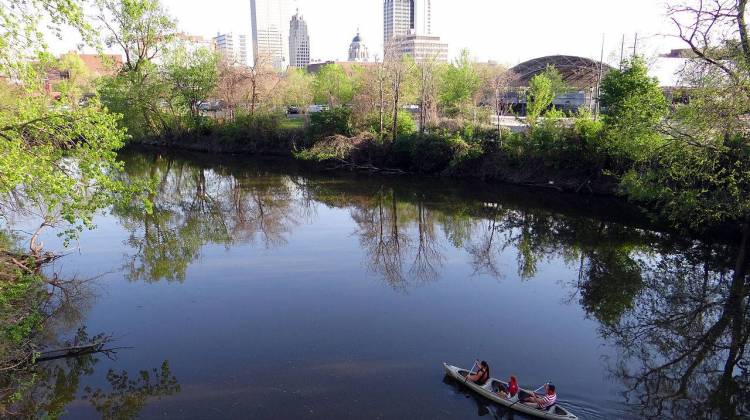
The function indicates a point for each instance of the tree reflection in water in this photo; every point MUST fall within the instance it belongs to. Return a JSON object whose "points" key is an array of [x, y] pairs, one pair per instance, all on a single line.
{"points": [[676, 311], [46, 389], [684, 342], [194, 206]]}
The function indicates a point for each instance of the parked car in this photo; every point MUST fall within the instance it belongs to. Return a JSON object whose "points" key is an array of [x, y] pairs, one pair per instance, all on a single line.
{"points": [[292, 110], [316, 108]]}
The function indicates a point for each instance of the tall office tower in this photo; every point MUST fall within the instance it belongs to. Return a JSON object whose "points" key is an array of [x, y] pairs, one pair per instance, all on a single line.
{"points": [[398, 18], [406, 17], [233, 47], [408, 29], [422, 17], [270, 22], [299, 42]]}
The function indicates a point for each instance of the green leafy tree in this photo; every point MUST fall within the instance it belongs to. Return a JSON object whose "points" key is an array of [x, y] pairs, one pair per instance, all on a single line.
{"points": [[459, 84], [141, 30], [332, 85], [78, 80], [193, 76], [539, 98], [634, 107], [296, 89]]}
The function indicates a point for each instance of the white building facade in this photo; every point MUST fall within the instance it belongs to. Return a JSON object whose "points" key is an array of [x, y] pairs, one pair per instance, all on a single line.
{"points": [[299, 42], [233, 47], [270, 28]]}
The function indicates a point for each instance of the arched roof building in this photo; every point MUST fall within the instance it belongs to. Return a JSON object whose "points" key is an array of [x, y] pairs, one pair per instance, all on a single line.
{"points": [[577, 72]]}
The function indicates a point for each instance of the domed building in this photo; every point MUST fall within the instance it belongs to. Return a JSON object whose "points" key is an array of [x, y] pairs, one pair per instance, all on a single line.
{"points": [[358, 50]]}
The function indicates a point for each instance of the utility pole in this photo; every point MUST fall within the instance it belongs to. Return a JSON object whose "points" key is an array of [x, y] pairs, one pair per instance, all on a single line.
{"points": [[622, 50], [635, 45]]}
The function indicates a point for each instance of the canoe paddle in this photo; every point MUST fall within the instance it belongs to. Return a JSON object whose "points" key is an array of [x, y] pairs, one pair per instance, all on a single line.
{"points": [[471, 372]]}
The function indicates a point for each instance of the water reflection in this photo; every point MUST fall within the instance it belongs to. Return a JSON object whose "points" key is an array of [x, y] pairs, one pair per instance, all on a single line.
{"points": [[46, 389], [195, 206], [675, 309], [684, 339]]}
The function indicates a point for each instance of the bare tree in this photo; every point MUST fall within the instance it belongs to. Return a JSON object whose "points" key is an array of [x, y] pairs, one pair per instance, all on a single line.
{"points": [[262, 78], [427, 70], [398, 68], [233, 82], [499, 84]]}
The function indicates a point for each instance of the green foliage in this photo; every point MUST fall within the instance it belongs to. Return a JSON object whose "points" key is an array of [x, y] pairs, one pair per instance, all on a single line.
{"points": [[140, 29], [695, 186], [634, 106], [193, 76], [459, 82], [24, 24], [406, 125], [297, 88], [432, 153], [78, 80], [62, 163], [333, 86], [330, 122], [143, 101], [539, 98]]}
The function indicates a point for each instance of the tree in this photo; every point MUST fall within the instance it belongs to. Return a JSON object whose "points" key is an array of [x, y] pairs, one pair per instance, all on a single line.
{"points": [[539, 98], [57, 165], [428, 74], [231, 84], [634, 107], [141, 29], [78, 79], [399, 68], [193, 75], [262, 79], [332, 85], [296, 89], [459, 83], [497, 87], [700, 177]]}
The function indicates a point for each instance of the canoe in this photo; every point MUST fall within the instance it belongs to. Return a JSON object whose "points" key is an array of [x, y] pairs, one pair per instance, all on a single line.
{"points": [[490, 391]]}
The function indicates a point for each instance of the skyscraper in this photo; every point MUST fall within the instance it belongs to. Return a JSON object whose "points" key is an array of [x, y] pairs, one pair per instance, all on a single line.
{"points": [[408, 29], [233, 47], [270, 23], [299, 42], [406, 17]]}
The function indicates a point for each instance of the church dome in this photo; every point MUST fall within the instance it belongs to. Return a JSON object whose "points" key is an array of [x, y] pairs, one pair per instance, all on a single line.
{"points": [[358, 50]]}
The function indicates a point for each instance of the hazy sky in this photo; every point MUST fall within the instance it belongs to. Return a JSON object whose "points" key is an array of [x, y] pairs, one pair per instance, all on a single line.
{"points": [[507, 31]]}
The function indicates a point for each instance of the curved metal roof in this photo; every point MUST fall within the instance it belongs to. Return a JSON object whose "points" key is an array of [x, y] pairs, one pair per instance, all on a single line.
{"points": [[579, 72]]}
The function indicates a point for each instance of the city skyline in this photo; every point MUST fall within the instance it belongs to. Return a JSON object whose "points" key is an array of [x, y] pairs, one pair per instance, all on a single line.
{"points": [[496, 30]]}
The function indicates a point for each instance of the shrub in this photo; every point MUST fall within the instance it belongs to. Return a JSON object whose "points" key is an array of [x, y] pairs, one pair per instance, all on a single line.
{"points": [[331, 122], [405, 124]]}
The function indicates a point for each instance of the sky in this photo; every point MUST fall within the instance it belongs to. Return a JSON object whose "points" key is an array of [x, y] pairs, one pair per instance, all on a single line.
{"points": [[505, 31]]}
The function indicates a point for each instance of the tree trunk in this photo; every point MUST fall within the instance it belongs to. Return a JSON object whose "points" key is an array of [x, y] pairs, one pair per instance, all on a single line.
{"points": [[397, 88]]}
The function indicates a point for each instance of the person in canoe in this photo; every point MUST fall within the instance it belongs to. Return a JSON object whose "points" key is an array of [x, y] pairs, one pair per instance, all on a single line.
{"points": [[482, 375], [511, 390], [545, 401]]}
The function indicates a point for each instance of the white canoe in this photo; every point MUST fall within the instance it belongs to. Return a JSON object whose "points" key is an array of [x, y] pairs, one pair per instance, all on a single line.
{"points": [[489, 390]]}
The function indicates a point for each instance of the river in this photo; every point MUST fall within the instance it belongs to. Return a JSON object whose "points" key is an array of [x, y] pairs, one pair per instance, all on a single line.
{"points": [[258, 289]]}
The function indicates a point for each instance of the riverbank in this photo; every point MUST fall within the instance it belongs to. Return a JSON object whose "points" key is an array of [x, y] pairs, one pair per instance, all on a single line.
{"points": [[436, 156]]}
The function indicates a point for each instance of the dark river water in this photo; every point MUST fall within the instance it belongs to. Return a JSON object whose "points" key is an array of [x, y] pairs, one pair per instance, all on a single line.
{"points": [[260, 290]]}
